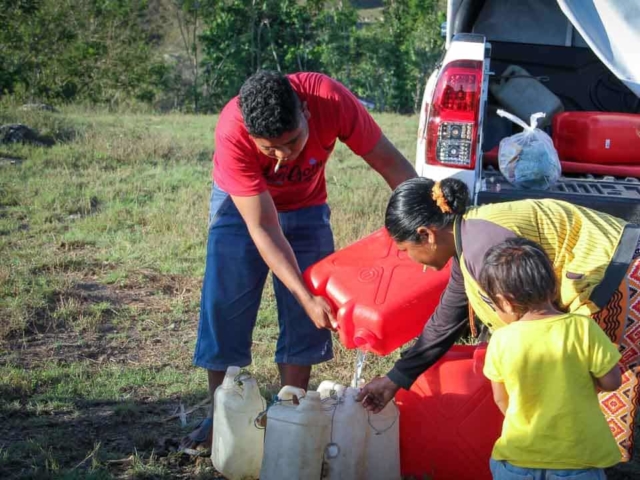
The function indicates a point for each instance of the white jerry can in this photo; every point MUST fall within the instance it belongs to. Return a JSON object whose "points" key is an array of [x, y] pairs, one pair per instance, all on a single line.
{"points": [[238, 444], [296, 437]]}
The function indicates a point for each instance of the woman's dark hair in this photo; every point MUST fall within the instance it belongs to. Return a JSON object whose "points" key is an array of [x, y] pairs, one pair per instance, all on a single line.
{"points": [[520, 271], [412, 206], [269, 105]]}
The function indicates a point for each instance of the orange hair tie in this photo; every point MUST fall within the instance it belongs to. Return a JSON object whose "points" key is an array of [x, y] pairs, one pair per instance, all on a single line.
{"points": [[438, 197]]}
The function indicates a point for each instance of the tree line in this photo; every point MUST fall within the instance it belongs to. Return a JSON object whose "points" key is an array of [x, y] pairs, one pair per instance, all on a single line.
{"points": [[106, 51]]}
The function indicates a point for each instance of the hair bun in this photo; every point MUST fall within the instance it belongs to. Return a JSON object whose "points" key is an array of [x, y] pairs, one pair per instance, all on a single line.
{"points": [[456, 193]]}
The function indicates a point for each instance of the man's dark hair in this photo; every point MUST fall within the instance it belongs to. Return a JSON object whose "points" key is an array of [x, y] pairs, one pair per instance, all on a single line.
{"points": [[269, 105], [520, 271]]}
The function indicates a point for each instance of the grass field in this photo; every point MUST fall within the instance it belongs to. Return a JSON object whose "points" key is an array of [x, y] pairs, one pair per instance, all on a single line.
{"points": [[102, 252], [101, 256]]}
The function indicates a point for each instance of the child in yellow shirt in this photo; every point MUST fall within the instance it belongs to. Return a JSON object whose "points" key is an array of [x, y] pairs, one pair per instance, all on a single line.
{"points": [[544, 367]]}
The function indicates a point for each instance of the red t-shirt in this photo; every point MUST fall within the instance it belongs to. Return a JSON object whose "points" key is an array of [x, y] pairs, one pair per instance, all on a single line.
{"points": [[241, 169]]}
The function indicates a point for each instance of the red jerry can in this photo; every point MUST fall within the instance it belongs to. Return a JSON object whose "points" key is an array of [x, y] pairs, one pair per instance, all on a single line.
{"points": [[382, 299], [449, 421], [598, 137]]}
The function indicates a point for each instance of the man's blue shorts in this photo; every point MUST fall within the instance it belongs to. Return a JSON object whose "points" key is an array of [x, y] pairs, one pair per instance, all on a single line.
{"points": [[234, 278]]}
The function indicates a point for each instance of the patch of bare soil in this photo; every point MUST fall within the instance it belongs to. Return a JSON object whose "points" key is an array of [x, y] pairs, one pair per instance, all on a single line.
{"points": [[137, 336], [146, 426], [120, 440]]}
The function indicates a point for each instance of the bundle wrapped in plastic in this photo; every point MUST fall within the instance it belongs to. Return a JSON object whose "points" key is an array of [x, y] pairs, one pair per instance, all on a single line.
{"points": [[528, 159]]}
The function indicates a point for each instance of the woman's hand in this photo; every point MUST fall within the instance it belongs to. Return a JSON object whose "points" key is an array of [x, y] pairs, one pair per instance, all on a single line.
{"points": [[377, 393]]}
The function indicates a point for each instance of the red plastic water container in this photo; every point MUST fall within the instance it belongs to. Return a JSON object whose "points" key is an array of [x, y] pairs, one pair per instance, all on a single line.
{"points": [[382, 298], [449, 421], [597, 137]]}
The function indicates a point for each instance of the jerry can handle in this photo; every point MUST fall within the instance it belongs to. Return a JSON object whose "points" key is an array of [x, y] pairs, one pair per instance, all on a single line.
{"points": [[287, 393], [327, 386]]}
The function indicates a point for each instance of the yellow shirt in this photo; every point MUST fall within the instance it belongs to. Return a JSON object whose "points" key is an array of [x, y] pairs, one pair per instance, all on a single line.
{"points": [[580, 243], [548, 367]]}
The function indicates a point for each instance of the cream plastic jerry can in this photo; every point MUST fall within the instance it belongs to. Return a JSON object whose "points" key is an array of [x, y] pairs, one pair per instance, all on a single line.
{"points": [[296, 437], [363, 446], [345, 455], [383, 444], [238, 444]]}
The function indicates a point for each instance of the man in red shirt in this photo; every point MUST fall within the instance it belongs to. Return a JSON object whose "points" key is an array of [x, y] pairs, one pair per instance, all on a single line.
{"points": [[268, 212]]}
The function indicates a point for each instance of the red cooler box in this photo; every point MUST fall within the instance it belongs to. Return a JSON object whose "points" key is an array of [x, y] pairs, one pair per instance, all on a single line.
{"points": [[597, 137], [448, 420], [382, 298]]}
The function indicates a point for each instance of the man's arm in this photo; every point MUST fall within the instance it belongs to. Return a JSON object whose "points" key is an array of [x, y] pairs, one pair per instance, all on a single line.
{"points": [[260, 215], [500, 396], [387, 160]]}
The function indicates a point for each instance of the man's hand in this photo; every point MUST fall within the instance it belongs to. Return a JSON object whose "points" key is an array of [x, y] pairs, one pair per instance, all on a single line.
{"points": [[377, 393], [320, 313]]}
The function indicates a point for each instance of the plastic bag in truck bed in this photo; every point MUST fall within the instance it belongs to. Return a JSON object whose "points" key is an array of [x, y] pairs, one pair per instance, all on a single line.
{"points": [[528, 159]]}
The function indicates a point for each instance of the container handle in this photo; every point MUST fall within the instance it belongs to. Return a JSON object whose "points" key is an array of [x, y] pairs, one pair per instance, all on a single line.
{"points": [[327, 386], [288, 392]]}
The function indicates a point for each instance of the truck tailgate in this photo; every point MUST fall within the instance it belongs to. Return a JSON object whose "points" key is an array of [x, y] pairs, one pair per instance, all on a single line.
{"points": [[618, 197]]}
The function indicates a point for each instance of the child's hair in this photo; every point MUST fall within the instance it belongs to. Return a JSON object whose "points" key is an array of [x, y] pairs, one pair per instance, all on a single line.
{"points": [[520, 271]]}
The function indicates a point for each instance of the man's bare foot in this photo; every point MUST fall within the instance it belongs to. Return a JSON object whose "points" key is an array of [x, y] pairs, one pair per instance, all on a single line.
{"points": [[202, 435]]}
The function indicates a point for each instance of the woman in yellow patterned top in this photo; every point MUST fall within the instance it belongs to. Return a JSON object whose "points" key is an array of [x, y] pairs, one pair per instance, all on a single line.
{"points": [[594, 256], [544, 367]]}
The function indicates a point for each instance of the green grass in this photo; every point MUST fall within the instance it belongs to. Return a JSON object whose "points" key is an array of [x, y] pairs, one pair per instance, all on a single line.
{"points": [[102, 242], [102, 239]]}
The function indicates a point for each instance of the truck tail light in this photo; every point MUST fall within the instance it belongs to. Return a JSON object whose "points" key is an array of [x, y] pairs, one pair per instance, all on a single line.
{"points": [[452, 125]]}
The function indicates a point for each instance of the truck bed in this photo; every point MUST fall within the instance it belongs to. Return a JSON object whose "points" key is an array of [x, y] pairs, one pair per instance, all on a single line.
{"points": [[617, 196]]}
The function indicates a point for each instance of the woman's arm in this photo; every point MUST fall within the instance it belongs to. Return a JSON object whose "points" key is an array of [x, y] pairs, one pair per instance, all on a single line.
{"points": [[441, 331]]}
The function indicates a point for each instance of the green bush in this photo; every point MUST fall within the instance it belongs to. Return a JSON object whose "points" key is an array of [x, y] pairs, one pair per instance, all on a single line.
{"points": [[71, 50], [106, 51]]}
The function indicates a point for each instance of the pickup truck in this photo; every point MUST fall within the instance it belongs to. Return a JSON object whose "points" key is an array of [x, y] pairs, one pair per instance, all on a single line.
{"points": [[382, 299], [484, 37]]}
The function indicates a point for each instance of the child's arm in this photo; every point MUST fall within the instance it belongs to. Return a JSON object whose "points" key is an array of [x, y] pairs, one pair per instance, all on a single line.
{"points": [[611, 380], [492, 371], [603, 359], [500, 396]]}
